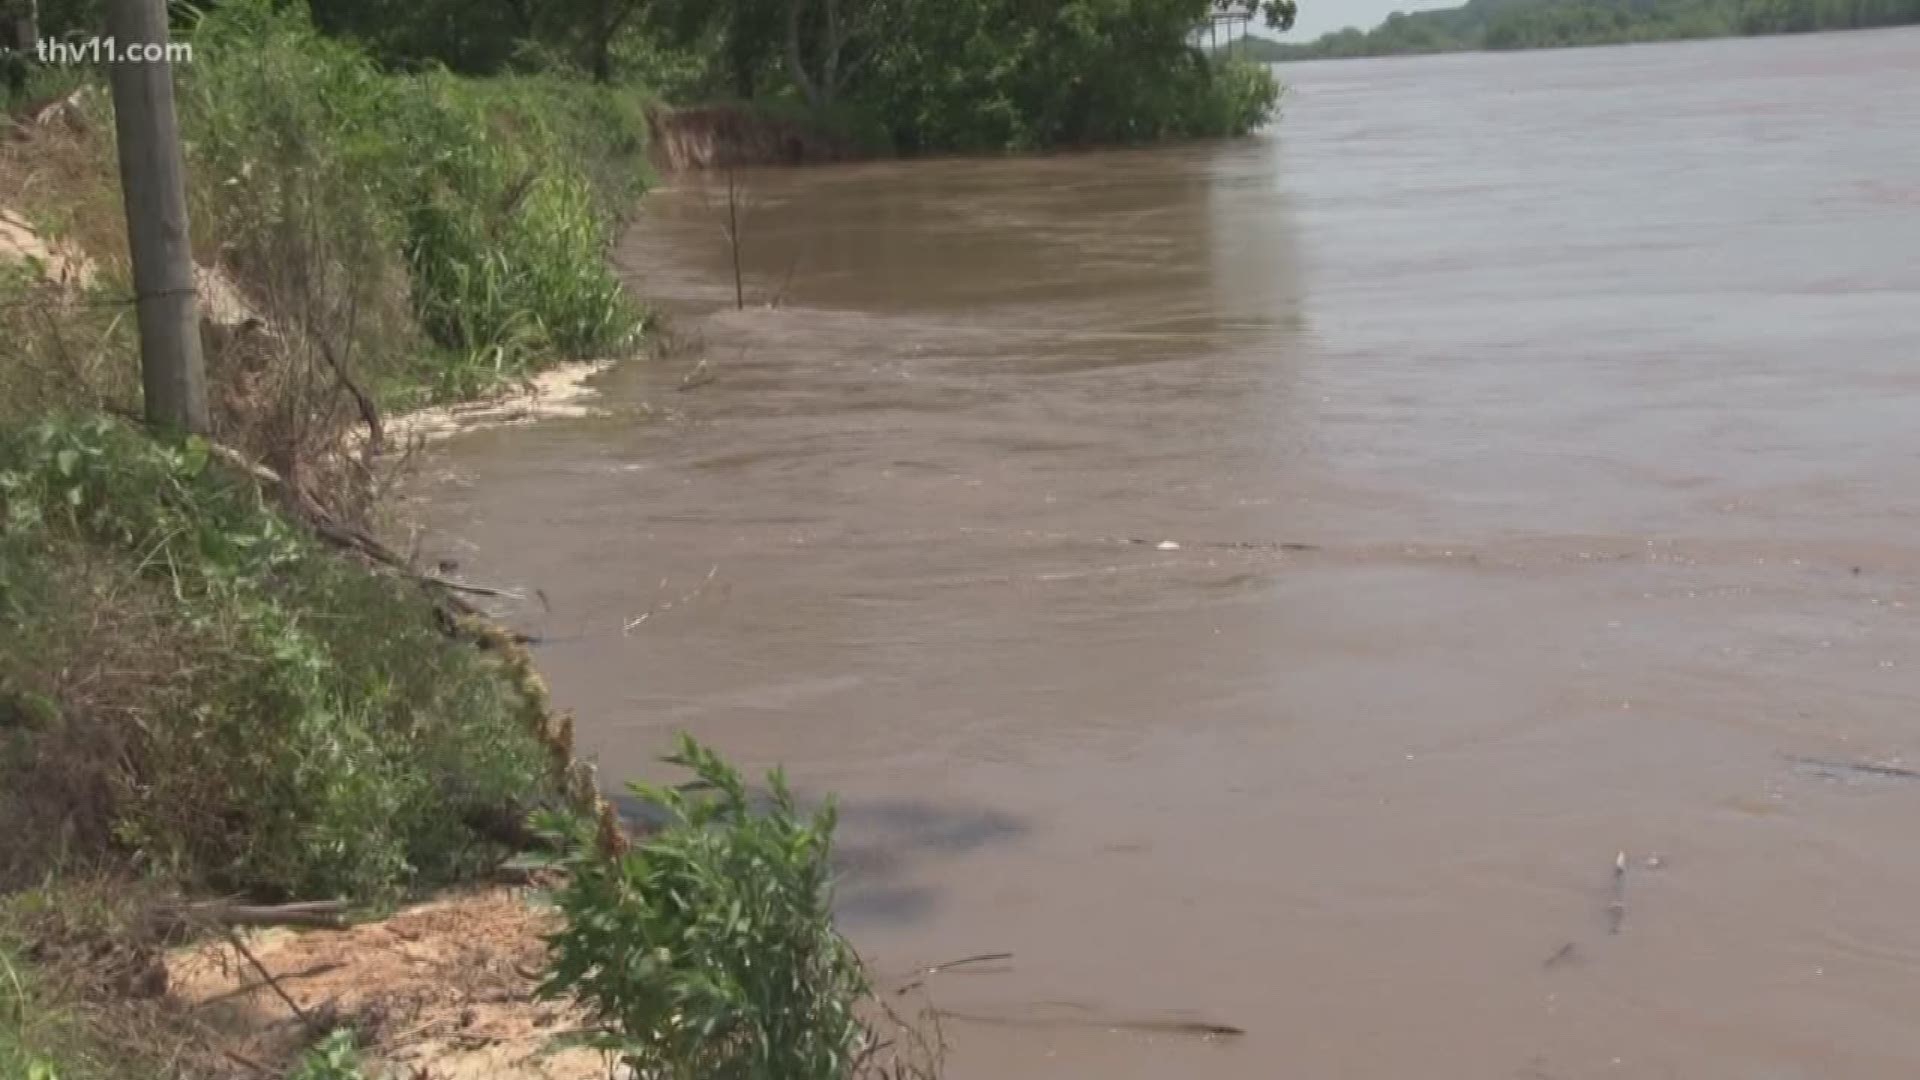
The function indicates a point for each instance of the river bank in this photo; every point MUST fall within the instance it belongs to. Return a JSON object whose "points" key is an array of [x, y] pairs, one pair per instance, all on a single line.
{"points": [[214, 681], [1518, 483]]}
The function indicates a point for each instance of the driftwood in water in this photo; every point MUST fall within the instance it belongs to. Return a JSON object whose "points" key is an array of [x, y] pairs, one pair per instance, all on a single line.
{"points": [[1866, 768], [1617, 905], [1205, 1029]]}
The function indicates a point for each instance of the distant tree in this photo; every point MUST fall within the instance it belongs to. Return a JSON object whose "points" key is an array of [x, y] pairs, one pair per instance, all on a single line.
{"points": [[1535, 24], [586, 29], [1279, 14], [827, 41]]}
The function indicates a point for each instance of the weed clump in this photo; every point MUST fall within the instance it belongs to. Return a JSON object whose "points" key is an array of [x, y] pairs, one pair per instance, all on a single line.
{"points": [[195, 685]]}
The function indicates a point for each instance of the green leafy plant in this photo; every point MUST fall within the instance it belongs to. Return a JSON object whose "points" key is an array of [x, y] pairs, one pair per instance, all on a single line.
{"points": [[709, 948], [336, 1057]]}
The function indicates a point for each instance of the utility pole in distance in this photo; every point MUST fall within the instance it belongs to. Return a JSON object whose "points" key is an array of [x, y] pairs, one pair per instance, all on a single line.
{"points": [[153, 180]]}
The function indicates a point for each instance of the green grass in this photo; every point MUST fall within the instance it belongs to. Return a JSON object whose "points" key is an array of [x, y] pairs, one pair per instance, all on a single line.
{"points": [[195, 686], [487, 207], [39, 1039]]}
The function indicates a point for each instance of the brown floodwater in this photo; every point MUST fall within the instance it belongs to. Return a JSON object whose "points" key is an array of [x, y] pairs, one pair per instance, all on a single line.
{"points": [[1269, 582]]}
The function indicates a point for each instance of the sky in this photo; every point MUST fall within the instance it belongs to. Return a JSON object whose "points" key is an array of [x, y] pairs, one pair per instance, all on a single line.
{"points": [[1320, 16]]}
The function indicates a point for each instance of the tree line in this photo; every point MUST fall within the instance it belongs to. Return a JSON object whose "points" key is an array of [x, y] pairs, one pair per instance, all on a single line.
{"points": [[911, 74], [1539, 24]]}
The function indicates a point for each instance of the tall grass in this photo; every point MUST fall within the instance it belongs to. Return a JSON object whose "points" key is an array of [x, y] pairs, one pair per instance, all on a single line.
{"points": [[191, 684], [41, 1038], [498, 202]]}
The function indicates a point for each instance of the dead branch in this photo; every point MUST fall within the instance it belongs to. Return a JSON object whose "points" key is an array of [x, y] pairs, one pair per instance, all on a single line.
{"points": [[376, 443], [334, 531], [239, 1058], [241, 947], [327, 914], [476, 590], [982, 958], [1202, 1028]]}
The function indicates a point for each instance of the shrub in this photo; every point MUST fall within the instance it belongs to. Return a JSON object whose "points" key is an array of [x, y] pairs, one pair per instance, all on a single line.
{"points": [[710, 946], [192, 681], [336, 1057], [1238, 96]]}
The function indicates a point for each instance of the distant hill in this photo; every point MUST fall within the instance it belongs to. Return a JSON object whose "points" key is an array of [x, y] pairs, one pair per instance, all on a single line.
{"points": [[1547, 24]]}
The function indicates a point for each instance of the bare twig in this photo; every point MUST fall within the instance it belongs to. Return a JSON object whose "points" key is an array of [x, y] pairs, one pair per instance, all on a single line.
{"points": [[982, 958], [780, 295], [241, 947], [1617, 906], [733, 240], [241, 1059], [634, 623], [918, 978]]}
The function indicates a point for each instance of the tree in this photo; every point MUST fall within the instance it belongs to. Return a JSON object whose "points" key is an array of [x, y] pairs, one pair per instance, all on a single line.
{"points": [[827, 43], [1278, 13], [590, 26]]}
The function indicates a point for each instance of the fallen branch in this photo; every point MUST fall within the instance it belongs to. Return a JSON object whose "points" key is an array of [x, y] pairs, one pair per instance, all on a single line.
{"points": [[982, 958], [333, 531], [239, 1058], [918, 978], [241, 947], [476, 590], [1202, 1028], [327, 914]]}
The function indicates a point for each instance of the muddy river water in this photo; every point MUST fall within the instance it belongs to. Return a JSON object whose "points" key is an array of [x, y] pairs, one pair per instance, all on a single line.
{"points": [[1270, 582]]}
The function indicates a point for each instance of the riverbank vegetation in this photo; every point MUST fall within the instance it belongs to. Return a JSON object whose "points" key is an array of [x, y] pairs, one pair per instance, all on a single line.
{"points": [[215, 681], [892, 75], [1541, 24]]}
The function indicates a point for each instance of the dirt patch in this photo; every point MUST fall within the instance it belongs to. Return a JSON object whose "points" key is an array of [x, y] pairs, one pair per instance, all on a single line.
{"points": [[444, 991], [718, 136], [57, 263]]}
